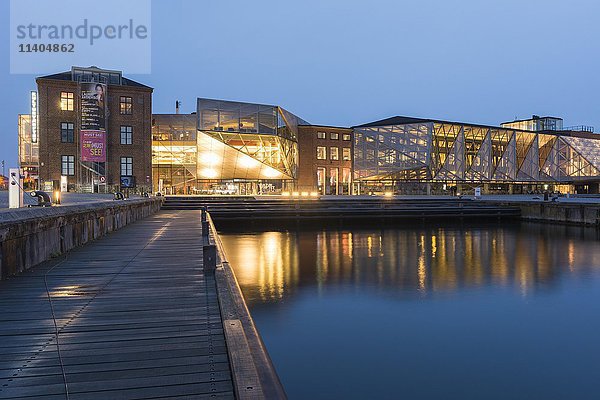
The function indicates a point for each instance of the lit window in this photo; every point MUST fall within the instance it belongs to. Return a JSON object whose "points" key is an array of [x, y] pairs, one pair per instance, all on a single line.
{"points": [[346, 137], [321, 135], [67, 132], [67, 101], [126, 105], [321, 153], [126, 166], [126, 134], [334, 153], [334, 136], [67, 165], [321, 179], [346, 155]]}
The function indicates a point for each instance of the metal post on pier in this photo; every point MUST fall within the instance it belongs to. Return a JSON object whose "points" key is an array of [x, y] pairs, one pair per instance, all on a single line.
{"points": [[205, 226], [209, 257]]}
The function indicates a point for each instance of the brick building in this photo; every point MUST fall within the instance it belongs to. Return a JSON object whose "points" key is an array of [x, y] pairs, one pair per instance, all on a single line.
{"points": [[126, 120], [325, 159]]}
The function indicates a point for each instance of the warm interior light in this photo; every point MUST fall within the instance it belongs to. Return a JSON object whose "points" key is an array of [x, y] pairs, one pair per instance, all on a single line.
{"points": [[388, 194], [208, 173], [269, 172], [209, 158], [304, 194], [314, 194], [296, 194], [57, 197], [248, 162], [285, 193]]}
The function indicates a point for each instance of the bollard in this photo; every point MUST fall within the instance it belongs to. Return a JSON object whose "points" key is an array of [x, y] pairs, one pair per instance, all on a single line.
{"points": [[209, 257], [203, 214], [205, 228]]}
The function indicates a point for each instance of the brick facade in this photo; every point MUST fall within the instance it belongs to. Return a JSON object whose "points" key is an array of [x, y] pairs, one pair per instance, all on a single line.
{"points": [[51, 148], [309, 165]]}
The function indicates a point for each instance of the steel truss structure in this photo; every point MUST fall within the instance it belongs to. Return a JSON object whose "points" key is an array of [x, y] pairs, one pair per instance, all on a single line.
{"points": [[431, 151]]}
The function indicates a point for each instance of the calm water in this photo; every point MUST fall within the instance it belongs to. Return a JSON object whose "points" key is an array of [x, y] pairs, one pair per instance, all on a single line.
{"points": [[485, 312]]}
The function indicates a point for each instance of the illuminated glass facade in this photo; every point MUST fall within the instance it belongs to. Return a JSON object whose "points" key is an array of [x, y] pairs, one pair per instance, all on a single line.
{"points": [[226, 148], [402, 149], [535, 123], [29, 152]]}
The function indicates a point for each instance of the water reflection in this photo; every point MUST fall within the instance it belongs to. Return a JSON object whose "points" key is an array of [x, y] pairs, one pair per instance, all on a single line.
{"points": [[271, 266], [426, 312]]}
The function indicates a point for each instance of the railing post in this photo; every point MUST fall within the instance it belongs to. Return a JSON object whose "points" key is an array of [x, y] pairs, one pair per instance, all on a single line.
{"points": [[204, 211], [209, 257], [205, 230]]}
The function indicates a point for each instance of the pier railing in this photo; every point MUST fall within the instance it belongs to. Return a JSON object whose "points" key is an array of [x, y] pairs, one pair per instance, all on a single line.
{"points": [[253, 372]]}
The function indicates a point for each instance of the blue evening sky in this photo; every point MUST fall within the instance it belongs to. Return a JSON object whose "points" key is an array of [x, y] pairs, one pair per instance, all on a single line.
{"points": [[345, 62]]}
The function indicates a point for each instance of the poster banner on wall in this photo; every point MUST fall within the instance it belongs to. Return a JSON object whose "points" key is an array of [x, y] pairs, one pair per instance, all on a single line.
{"points": [[92, 117], [93, 146], [93, 106]]}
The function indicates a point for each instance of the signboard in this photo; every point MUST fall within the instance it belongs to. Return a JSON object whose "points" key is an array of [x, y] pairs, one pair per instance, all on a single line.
{"points": [[93, 106], [127, 181], [477, 192], [93, 146], [93, 110], [34, 117]]}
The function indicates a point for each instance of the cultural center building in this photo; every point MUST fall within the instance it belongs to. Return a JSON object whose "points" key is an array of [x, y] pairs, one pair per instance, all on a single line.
{"points": [[91, 129]]}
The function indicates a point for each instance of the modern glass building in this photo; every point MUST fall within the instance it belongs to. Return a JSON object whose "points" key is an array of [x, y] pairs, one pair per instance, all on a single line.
{"points": [[29, 152], [535, 123], [415, 155], [226, 147]]}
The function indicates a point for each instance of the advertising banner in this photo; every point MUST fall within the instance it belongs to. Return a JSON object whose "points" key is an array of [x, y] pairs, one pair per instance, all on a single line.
{"points": [[93, 146], [93, 106], [92, 111]]}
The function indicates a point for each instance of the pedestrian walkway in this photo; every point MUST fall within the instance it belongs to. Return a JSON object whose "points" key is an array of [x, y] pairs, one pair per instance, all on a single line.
{"points": [[137, 318]]}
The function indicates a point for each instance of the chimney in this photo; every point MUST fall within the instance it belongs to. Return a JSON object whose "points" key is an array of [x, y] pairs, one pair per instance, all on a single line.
{"points": [[177, 104]]}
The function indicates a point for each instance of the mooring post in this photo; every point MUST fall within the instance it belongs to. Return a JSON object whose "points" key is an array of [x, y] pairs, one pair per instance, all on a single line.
{"points": [[205, 229], [209, 257]]}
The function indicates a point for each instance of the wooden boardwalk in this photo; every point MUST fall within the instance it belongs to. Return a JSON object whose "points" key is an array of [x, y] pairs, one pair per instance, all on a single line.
{"points": [[137, 317]]}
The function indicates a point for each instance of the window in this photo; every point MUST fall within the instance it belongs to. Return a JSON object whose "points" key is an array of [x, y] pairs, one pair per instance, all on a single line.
{"points": [[334, 153], [321, 135], [334, 136], [321, 180], [333, 180], [67, 165], [346, 175], [346, 155], [67, 132], [321, 153], [67, 101], [126, 166], [126, 105], [126, 134], [346, 137]]}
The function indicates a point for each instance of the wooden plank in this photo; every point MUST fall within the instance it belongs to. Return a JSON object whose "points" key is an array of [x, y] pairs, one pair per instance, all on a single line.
{"points": [[136, 315]]}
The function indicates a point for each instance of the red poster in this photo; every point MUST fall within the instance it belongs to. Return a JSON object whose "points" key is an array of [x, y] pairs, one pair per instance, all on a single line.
{"points": [[93, 146]]}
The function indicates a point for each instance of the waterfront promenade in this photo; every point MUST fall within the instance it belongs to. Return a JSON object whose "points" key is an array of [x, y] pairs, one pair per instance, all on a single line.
{"points": [[136, 314]]}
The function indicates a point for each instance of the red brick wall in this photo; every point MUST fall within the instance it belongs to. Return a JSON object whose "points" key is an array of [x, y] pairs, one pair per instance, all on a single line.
{"points": [[307, 154], [51, 147]]}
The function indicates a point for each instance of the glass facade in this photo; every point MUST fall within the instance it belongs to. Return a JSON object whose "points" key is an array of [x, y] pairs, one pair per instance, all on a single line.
{"points": [[29, 152], [226, 148], [536, 123], [432, 151]]}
